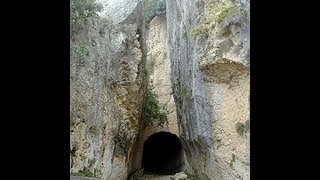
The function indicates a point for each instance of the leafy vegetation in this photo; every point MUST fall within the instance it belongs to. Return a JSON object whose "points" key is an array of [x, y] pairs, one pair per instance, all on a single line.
{"points": [[91, 162], [217, 12], [80, 12], [191, 176], [199, 30], [225, 12], [79, 52], [154, 113], [85, 173], [243, 128], [186, 93]]}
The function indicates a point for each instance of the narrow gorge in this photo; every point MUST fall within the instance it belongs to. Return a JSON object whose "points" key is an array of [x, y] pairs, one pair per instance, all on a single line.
{"points": [[160, 89]]}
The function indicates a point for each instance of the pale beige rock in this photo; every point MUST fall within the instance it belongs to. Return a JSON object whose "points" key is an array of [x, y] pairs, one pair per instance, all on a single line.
{"points": [[160, 76], [180, 176], [201, 74], [210, 60], [107, 90]]}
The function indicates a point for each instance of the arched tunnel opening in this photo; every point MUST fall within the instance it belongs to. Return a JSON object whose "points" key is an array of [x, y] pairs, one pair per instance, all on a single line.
{"points": [[162, 154]]}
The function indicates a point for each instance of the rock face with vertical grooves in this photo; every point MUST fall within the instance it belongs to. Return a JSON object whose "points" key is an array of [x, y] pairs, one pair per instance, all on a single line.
{"points": [[158, 67], [210, 60], [107, 88], [158, 63], [208, 52]]}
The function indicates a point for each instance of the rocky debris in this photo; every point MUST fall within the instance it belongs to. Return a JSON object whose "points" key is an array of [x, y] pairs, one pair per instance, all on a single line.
{"points": [[180, 176]]}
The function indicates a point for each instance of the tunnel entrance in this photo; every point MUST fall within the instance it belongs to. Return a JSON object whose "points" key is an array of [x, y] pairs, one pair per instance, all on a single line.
{"points": [[162, 154]]}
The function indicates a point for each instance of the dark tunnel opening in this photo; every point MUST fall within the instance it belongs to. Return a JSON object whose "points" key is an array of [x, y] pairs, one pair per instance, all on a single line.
{"points": [[162, 154]]}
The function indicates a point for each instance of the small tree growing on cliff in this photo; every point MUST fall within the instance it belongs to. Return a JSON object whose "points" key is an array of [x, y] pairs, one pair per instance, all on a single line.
{"points": [[154, 113]]}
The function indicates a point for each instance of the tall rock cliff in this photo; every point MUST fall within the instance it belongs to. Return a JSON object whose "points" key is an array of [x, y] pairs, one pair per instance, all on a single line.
{"points": [[158, 63], [158, 68], [210, 58], [107, 90], [201, 59]]}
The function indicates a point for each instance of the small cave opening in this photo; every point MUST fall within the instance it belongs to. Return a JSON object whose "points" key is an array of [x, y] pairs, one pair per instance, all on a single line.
{"points": [[162, 154]]}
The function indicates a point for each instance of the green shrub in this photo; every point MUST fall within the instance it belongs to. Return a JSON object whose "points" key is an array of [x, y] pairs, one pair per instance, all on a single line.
{"points": [[191, 177], [225, 12], [200, 30], [217, 12], [243, 128], [91, 162], [79, 52], [80, 12], [85, 173], [186, 93], [154, 113]]}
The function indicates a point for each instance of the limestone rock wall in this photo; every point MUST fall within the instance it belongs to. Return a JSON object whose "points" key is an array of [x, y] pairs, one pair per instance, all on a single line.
{"points": [[202, 46], [107, 89], [209, 50], [159, 67], [157, 54]]}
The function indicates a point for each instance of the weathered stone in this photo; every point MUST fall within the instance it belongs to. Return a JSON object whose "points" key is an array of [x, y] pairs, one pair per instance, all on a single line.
{"points": [[210, 60], [158, 68], [180, 176], [160, 74], [201, 56], [119, 10], [107, 89]]}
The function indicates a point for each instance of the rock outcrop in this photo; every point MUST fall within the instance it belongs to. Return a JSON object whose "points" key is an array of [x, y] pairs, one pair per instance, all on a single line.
{"points": [[158, 63], [200, 53], [158, 67], [210, 59], [107, 86]]}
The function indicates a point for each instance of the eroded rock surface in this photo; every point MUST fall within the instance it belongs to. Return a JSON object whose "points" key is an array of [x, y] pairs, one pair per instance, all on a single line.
{"points": [[201, 56], [210, 59], [107, 88]]}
